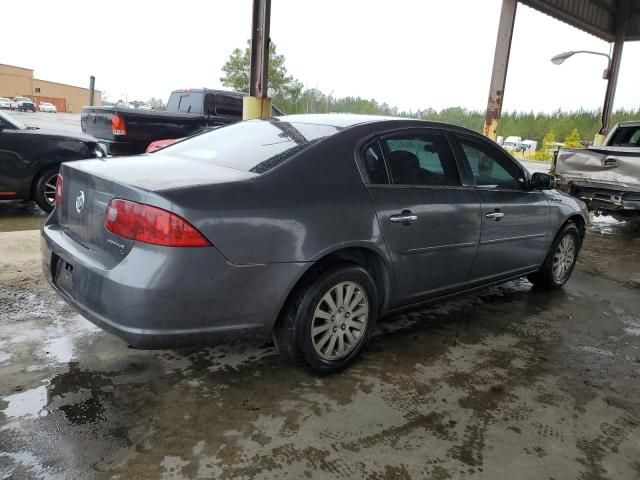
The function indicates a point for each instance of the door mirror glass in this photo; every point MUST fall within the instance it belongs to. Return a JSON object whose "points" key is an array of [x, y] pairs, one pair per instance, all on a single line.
{"points": [[542, 181]]}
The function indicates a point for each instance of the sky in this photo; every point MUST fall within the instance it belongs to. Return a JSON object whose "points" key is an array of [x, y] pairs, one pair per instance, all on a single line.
{"points": [[413, 54]]}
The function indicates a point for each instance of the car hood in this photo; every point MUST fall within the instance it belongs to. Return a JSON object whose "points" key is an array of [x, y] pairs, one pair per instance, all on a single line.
{"points": [[60, 134]]}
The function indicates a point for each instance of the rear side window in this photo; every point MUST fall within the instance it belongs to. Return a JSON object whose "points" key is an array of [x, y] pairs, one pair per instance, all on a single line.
{"points": [[256, 146], [228, 105], [421, 159], [374, 164]]}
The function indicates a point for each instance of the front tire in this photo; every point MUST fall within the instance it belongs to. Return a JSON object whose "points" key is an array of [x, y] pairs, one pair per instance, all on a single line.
{"points": [[329, 319], [45, 189], [561, 259]]}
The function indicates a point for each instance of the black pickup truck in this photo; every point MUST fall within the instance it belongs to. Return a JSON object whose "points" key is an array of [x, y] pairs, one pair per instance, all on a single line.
{"points": [[128, 131]]}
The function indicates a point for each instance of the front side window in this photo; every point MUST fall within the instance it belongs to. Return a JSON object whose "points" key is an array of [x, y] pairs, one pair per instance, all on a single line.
{"points": [[421, 159], [490, 169]]}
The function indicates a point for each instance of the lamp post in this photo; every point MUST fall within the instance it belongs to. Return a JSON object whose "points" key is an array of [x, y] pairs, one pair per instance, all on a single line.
{"points": [[561, 57], [608, 99]]}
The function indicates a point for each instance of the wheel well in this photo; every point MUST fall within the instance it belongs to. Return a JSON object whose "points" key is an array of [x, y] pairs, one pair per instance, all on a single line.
{"points": [[364, 257], [579, 222]]}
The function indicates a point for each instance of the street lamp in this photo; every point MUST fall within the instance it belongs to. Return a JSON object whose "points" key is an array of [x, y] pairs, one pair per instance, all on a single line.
{"points": [[561, 57], [608, 98]]}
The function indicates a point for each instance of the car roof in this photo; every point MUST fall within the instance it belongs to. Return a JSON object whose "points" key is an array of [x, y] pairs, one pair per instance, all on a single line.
{"points": [[209, 90], [346, 120], [630, 123]]}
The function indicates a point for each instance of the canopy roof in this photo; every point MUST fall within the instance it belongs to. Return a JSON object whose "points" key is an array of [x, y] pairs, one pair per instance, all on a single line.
{"points": [[597, 17]]}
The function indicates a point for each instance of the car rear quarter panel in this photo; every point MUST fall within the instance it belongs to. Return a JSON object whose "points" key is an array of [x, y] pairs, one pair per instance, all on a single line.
{"points": [[311, 205]]}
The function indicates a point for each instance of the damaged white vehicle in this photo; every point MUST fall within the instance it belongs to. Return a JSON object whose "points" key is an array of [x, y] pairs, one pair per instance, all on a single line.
{"points": [[606, 178]]}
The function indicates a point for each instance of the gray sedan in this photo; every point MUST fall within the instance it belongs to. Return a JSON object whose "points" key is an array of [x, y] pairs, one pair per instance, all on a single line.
{"points": [[306, 228]]}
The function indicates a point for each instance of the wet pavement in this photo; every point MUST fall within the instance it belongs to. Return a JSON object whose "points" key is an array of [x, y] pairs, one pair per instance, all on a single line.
{"points": [[509, 383], [16, 216]]}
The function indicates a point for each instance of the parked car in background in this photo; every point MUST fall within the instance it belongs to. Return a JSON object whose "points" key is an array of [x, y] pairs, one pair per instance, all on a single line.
{"points": [[23, 104], [306, 228], [30, 158], [5, 103], [511, 143], [606, 177], [47, 107], [129, 131], [158, 144]]}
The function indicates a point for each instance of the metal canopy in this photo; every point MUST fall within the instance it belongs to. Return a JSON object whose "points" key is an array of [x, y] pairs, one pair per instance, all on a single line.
{"points": [[597, 17]]}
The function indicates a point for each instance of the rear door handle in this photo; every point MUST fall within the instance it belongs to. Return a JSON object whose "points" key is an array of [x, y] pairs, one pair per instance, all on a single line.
{"points": [[496, 216], [405, 217]]}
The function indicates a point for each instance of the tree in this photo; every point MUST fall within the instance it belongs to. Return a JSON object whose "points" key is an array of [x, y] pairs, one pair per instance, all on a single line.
{"points": [[548, 143], [573, 140], [282, 86]]}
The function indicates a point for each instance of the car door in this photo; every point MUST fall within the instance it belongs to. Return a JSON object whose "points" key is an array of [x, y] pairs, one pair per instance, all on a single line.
{"points": [[12, 166], [429, 220], [515, 218]]}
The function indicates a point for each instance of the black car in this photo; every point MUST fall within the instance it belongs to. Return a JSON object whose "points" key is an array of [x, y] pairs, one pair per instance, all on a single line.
{"points": [[30, 158]]}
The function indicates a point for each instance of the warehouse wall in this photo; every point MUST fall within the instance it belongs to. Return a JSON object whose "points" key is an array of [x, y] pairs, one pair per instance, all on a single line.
{"points": [[15, 81], [76, 97]]}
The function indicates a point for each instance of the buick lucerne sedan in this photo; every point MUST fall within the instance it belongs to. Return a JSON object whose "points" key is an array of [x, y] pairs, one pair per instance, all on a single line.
{"points": [[304, 228]]}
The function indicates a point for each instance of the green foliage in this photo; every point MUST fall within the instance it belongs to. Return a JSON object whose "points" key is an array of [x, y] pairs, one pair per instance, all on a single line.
{"points": [[546, 149], [281, 85], [573, 140]]}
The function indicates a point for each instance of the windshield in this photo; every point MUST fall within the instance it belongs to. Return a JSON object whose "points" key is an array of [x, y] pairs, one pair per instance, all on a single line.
{"points": [[7, 119], [254, 146]]}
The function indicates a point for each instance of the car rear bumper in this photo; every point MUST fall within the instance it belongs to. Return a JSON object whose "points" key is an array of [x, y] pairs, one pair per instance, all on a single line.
{"points": [[165, 297]]}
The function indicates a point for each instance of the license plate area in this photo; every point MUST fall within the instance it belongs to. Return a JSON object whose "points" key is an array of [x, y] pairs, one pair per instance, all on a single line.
{"points": [[62, 273]]}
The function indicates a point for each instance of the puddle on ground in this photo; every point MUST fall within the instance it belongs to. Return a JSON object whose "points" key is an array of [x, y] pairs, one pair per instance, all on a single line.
{"points": [[29, 403]]}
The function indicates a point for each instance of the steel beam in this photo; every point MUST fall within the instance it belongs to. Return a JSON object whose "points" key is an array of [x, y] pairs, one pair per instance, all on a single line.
{"points": [[500, 66], [92, 89], [258, 85], [622, 14], [257, 104]]}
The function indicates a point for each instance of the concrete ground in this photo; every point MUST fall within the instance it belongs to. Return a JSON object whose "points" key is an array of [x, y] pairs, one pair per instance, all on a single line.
{"points": [[68, 122], [509, 383]]}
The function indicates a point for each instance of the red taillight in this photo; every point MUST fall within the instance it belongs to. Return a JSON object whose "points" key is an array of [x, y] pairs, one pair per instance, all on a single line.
{"points": [[148, 224], [59, 190], [118, 125]]}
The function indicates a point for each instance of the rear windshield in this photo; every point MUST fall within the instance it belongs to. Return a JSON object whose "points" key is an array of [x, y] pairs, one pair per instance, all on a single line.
{"points": [[186, 102], [256, 146]]}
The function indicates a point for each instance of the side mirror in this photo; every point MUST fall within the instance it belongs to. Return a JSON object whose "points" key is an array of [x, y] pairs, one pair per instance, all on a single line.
{"points": [[543, 181]]}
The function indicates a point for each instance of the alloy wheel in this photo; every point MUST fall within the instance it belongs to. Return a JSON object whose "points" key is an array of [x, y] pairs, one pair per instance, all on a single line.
{"points": [[563, 258], [50, 189], [340, 320]]}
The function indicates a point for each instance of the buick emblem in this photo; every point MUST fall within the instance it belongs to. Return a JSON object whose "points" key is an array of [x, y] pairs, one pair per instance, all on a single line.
{"points": [[80, 201]]}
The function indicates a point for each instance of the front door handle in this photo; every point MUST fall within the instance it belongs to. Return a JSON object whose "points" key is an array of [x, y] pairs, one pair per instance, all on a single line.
{"points": [[495, 215], [405, 217]]}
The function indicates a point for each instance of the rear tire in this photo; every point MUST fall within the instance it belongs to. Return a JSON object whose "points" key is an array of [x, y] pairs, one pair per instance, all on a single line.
{"points": [[560, 261], [329, 319], [43, 193]]}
